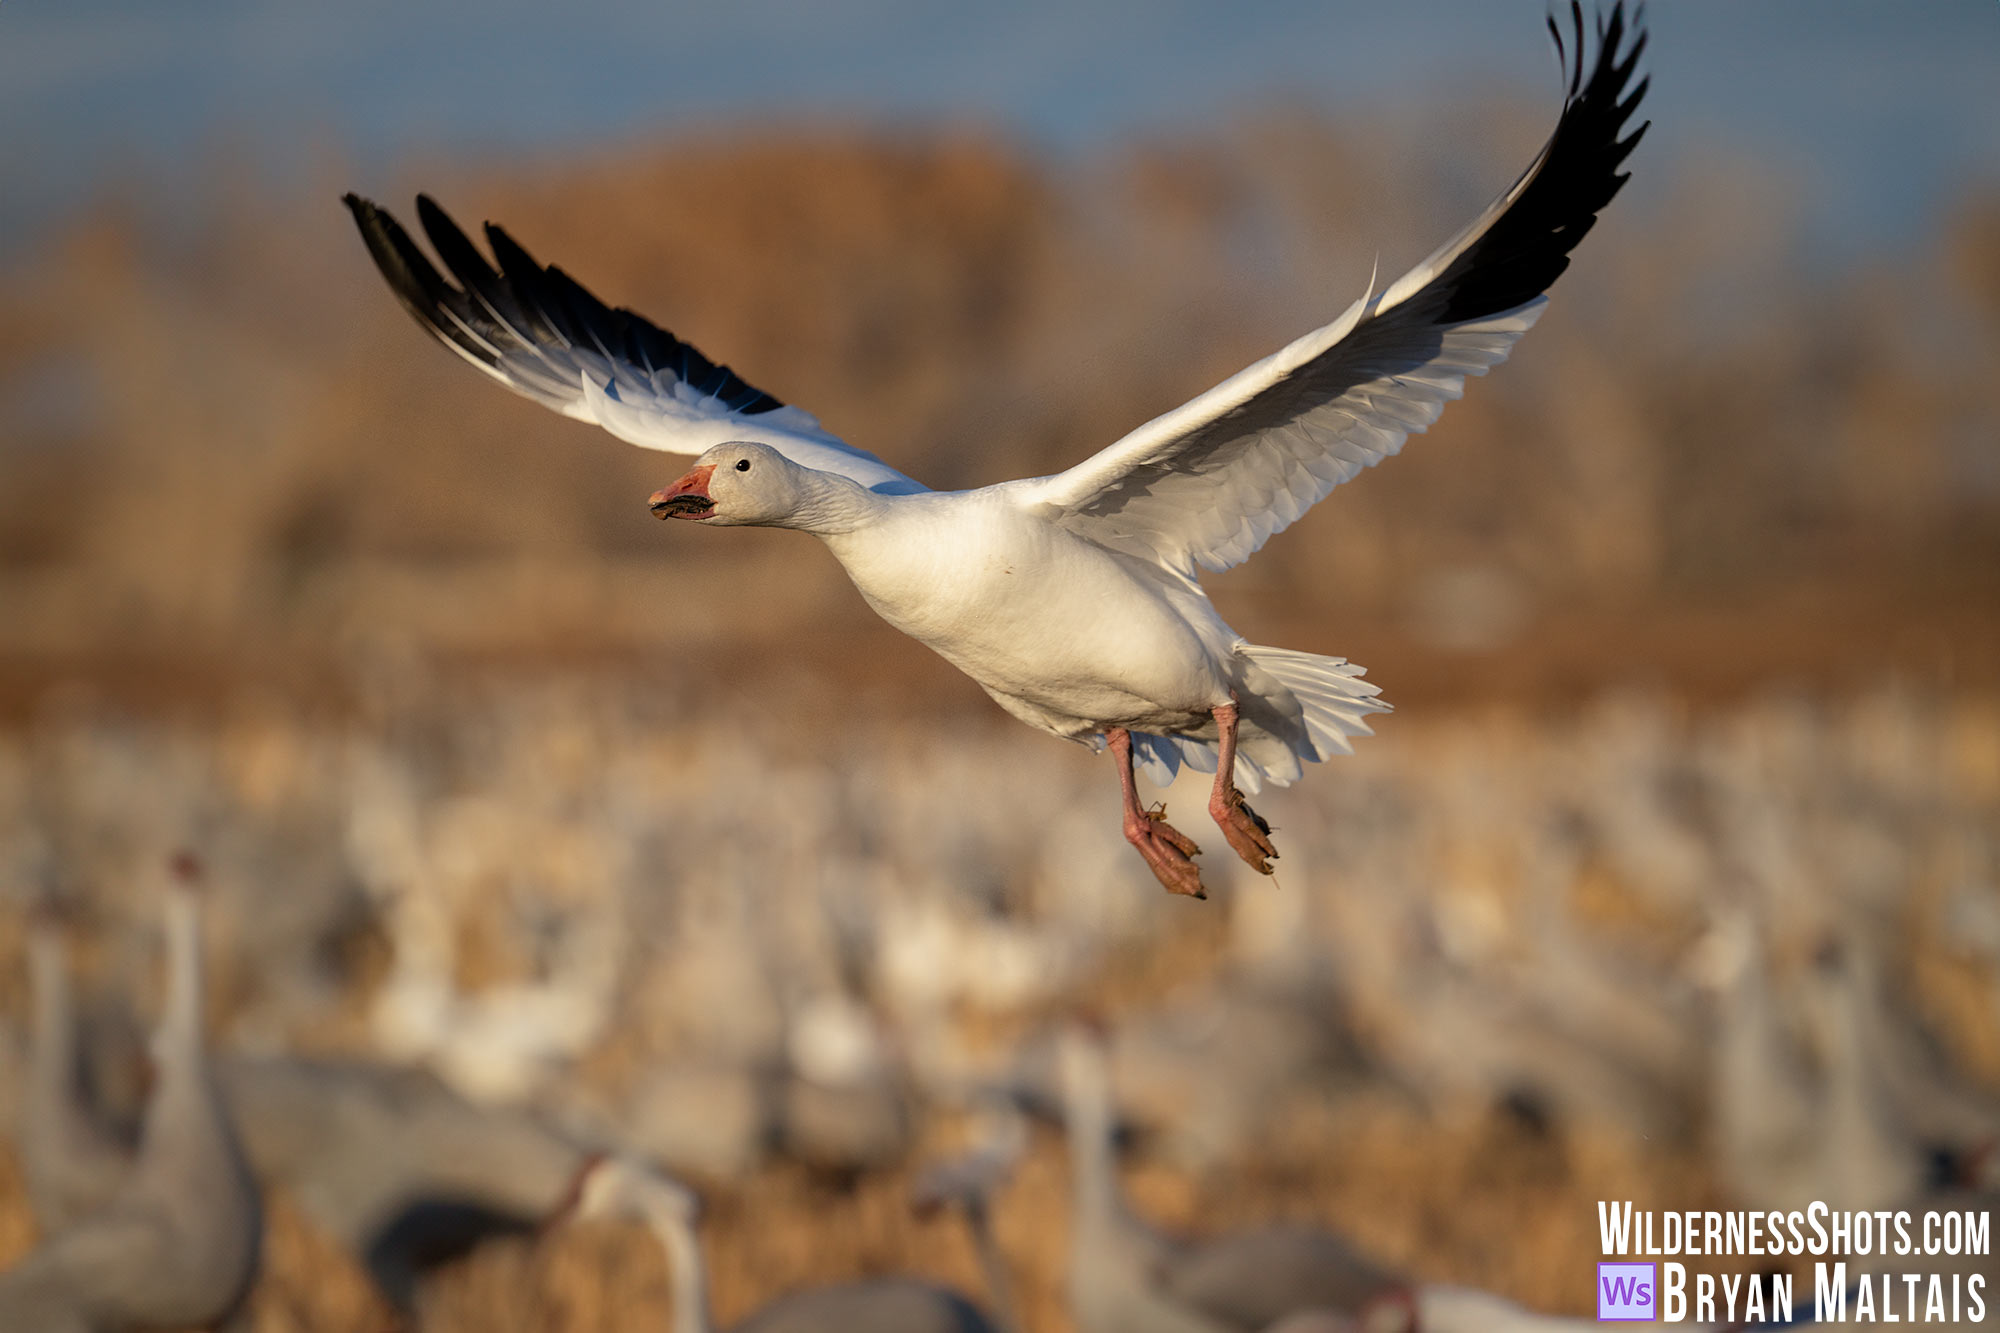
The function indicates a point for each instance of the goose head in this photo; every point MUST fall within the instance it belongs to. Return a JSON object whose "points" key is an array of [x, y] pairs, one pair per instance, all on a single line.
{"points": [[739, 485]]}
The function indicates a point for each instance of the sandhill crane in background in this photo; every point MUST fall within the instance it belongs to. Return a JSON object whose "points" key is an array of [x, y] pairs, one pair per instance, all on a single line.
{"points": [[1893, 1090], [623, 1189], [1126, 1277], [73, 1160], [1764, 1107], [967, 1184], [178, 1244], [394, 1165], [1790, 1130]]}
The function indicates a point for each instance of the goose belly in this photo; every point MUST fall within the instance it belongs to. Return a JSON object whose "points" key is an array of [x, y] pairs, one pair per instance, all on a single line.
{"points": [[1060, 631]]}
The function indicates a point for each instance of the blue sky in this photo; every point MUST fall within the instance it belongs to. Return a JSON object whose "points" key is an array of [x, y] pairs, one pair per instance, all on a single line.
{"points": [[1879, 111]]}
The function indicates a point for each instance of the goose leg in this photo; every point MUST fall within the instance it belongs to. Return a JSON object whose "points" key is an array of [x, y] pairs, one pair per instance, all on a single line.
{"points": [[1245, 828], [1165, 847]]}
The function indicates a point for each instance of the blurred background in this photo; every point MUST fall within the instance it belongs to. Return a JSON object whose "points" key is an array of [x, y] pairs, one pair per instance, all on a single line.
{"points": [[658, 838]]}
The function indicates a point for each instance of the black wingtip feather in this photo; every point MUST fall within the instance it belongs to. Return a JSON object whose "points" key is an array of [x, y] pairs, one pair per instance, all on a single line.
{"points": [[416, 283], [1576, 23], [1527, 247], [522, 306]]}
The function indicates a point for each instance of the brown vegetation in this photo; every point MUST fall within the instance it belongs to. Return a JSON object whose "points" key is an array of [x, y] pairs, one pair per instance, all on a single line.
{"points": [[228, 456]]}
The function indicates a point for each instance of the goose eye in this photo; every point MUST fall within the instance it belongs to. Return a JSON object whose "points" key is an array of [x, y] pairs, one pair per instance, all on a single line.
{"points": [[742, 465]]}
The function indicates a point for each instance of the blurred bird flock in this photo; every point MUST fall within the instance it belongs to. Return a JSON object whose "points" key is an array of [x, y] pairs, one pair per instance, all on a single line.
{"points": [[1676, 878]]}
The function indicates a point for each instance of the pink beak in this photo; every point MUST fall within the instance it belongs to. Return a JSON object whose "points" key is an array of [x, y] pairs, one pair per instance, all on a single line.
{"points": [[686, 498]]}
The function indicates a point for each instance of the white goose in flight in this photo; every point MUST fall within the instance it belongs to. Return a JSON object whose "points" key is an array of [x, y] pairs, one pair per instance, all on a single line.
{"points": [[1074, 599]]}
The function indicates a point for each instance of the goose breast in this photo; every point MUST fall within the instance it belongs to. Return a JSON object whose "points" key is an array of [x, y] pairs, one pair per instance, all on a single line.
{"points": [[1074, 632]]}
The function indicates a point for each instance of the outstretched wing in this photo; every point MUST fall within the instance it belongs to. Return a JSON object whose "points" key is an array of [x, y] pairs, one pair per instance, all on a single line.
{"points": [[1206, 484], [540, 333]]}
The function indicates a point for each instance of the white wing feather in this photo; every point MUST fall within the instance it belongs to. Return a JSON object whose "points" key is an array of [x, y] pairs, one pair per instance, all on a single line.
{"points": [[1151, 494]]}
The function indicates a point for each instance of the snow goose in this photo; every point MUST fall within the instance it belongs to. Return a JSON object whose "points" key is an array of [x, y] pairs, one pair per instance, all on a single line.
{"points": [[1074, 599], [622, 1189], [177, 1246]]}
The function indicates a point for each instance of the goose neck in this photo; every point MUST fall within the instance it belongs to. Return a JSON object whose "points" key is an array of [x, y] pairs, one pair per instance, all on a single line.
{"points": [[831, 506]]}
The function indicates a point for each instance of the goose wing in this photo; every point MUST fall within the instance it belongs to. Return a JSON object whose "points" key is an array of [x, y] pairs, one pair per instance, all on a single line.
{"points": [[1207, 483], [538, 331]]}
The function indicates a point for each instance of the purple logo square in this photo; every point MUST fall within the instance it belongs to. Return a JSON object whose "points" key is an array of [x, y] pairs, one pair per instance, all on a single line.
{"points": [[1626, 1291]]}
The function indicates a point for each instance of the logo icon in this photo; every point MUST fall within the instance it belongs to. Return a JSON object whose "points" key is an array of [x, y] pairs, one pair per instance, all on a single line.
{"points": [[1626, 1291]]}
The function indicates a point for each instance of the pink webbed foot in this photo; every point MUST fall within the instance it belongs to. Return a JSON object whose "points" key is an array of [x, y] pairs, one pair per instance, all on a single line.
{"points": [[1245, 828], [1166, 850]]}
